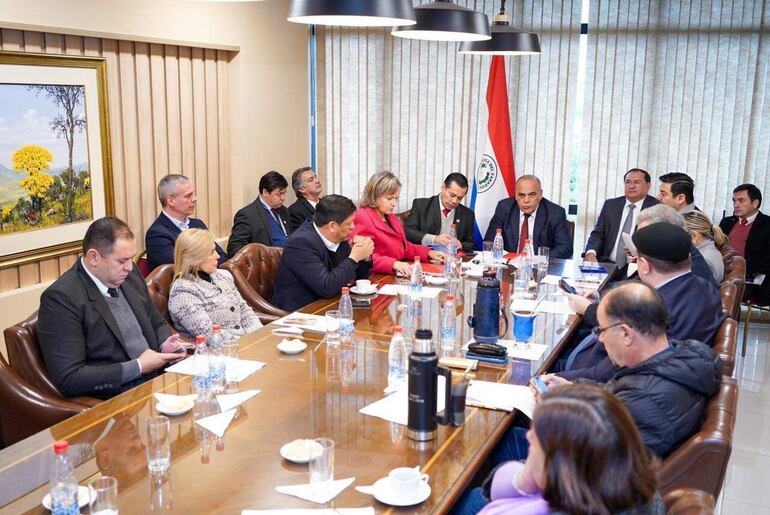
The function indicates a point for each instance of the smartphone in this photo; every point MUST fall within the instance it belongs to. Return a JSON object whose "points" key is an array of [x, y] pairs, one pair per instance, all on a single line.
{"points": [[564, 285], [539, 384], [361, 303]]}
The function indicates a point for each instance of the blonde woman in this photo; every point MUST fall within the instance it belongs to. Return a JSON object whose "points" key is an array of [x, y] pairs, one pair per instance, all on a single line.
{"points": [[203, 295], [376, 220], [706, 237]]}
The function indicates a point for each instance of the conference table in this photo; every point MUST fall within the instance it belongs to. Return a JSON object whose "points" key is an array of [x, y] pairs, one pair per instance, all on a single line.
{"points": [[317, 393]]}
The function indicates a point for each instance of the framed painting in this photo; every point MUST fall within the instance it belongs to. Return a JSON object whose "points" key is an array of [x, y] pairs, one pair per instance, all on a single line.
{"points": [[55, 169]]}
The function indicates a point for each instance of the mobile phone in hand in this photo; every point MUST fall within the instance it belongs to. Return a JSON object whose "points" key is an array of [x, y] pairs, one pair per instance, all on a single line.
{"points": [[564, 285], [540, 385]]}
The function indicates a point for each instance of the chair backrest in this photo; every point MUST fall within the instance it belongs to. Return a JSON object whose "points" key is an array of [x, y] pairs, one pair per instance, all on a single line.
{"points": [[728, 295], [254, 269], [23, 346], [159, 285], [403, 216], [725, 344], [689, 501], [571, 230], [701, 461], [143, 265], [735, 272]]}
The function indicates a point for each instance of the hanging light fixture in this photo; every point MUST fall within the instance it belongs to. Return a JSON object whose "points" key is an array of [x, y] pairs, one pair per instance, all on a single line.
{"points": [[505, 40], [445, 21], [352, 13]]}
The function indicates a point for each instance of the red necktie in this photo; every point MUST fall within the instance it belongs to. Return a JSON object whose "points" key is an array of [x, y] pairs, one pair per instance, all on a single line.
{"points": [[744, 221], [524, 234], [445, 211]]}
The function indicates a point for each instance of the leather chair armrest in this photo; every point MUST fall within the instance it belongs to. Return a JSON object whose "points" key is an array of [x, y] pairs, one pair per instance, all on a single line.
{"points": [[260, 306], [689, 501], [88, 402], [725, 344]]}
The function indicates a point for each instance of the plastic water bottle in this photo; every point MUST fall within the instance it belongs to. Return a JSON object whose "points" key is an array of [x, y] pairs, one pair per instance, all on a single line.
{"points": [[448, 319], [201, 368], [452, 247], [415, 283], [498, 247], [63, 486], [397, 357], [217, 360], [526, 258], [346, 315], [449, 259]]}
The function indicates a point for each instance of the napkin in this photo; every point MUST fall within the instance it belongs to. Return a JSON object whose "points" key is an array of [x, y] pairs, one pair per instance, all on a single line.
{"points": [[218, 423], [394, 289], [315, 323], [167, 398], [395, 407], [501, 396], [287, 330], [306, 491], [229, 401], [312, 511], [236, 369], [547, 306]]}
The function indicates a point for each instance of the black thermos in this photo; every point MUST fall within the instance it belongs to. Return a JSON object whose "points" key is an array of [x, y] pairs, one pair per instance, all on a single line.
{"points": [[423, 384]]}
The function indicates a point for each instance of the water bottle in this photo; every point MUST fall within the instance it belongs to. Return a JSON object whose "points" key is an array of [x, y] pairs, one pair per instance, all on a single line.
{"points": [[397, 357], [449, 259], [415, 283], [201, 368], [497, 247], [452, 247], [526, 258], [217, 360], [63, 486], [346, 315], [448, 319]]}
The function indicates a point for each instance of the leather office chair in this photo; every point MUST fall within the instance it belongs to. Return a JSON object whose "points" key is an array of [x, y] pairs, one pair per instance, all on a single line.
{"points": [[142, 264], [728, 295], [725, 344], [25, 410], [701, 461], [159, 285], [254, 270], [689, 501], [23, 346]]}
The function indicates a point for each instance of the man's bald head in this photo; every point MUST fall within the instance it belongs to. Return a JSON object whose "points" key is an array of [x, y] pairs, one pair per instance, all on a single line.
{"points": [[637, 305]]}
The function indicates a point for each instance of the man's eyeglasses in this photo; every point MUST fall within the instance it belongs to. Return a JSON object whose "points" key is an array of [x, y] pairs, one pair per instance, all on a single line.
{"points": [[635, 183], [599, 330]]}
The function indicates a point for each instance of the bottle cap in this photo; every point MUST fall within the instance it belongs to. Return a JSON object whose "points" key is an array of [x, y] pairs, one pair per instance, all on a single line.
{"points": [[60, 447], [200, 339], [423, 334], [450, 297], [216, 328], [498, 230], [416, 259], [345, 290], [454, 226], [398, 329]]}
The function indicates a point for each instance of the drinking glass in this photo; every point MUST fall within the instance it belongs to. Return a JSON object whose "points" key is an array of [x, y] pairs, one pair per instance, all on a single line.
{"points": [[333, 327], [231, 352], [523, 325], [322, 465], [521, 283], [158, 444], [104, 496], [333, 364], [546, 252], [487, 252]]}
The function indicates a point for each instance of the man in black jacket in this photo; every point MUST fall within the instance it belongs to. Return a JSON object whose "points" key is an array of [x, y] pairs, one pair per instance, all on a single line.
{"points": [[430, 219], [318, 260], [307, 187], [749, 232]]}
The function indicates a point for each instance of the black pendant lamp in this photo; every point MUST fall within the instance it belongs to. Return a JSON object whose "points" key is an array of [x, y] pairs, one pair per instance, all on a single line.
{"points": [[352, 13], [505, 40], [446, 21]]}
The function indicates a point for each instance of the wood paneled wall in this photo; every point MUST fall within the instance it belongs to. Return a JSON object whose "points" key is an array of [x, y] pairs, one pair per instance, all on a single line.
{"points": [[168, 110]]}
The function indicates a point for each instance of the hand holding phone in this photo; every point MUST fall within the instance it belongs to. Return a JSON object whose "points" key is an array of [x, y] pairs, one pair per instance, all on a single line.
{"points": [[564, 285], [539, 384]]}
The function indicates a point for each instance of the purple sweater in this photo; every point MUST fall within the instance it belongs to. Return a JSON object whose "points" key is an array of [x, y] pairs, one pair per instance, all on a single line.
{"points": [[505, 498]]}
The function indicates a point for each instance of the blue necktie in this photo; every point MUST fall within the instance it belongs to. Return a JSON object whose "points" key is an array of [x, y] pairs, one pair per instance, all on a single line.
{"points": [[583, 345]]}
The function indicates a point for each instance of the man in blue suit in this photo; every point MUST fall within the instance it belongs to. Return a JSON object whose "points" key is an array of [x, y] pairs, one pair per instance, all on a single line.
{"points": [[530, 216], [177, 198], [318, 260]]}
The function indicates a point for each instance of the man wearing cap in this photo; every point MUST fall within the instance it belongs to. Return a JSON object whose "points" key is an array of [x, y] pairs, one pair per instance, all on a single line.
{"points": [[693, 305]]}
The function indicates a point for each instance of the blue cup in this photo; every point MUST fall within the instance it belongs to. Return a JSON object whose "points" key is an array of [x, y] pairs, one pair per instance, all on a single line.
{"points": [[523, 325]]}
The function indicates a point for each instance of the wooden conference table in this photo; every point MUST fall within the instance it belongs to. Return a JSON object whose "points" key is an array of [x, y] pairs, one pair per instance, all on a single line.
{"points": [[312, 394]]}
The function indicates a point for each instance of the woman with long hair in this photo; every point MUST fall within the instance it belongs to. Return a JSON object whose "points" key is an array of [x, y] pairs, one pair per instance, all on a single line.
{"points": [[707, 237]]}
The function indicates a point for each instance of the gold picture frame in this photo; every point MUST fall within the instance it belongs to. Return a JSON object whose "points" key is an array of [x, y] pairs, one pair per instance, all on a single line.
{"points": [[44, 214]]}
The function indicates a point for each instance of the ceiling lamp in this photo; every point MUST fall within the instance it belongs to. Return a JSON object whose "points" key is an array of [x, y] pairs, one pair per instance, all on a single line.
{"points": [[505, 40], [352, 13], [445, 21]]}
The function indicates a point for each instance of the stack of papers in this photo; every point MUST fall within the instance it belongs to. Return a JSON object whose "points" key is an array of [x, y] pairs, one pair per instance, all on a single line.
{"points": [[237, 369], [306, 321], [395, 407], [501, 396]]}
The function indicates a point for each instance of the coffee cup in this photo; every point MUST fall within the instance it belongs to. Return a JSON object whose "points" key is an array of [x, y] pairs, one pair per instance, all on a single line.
{"points": [[405, 481], [363, 285]]}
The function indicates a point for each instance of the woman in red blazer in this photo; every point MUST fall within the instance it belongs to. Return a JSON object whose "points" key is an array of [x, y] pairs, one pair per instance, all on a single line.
{"points": [[376, 220]]}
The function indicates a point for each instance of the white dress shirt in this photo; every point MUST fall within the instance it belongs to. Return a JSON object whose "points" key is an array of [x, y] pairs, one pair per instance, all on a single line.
{"points": [[619, 238]]}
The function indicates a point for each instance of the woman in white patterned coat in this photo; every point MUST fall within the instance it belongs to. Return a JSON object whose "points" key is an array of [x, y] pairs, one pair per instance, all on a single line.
{"points": [[202, 294]]}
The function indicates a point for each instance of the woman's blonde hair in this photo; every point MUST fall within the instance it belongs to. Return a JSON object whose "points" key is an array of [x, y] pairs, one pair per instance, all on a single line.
{"points": [[192, 248], [700, 223], [379, 184]]}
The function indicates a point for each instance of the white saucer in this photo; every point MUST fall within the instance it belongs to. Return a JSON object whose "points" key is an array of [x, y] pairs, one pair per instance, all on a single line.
{"points": [[474, 272], [294, 346], [382, 493], [296, 457], [84, 496], [435, 280], [371, 290], [178, 408]]}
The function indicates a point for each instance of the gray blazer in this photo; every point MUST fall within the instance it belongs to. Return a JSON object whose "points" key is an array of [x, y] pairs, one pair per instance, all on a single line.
{"points": [[195, 305]]}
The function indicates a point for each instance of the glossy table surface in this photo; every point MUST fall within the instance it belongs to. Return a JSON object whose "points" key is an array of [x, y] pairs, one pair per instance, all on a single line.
{"points": [[316, 393]]}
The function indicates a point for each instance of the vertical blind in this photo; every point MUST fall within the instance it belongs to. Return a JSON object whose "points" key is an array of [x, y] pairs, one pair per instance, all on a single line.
{"points": [[662, 85]]}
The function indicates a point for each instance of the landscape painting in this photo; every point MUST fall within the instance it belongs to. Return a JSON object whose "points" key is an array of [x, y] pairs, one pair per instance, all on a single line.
{"points": [[55, 169]]}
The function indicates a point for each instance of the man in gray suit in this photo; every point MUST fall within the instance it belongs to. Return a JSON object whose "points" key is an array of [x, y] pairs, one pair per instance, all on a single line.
{"points": [[99, 331], [618, 215]]}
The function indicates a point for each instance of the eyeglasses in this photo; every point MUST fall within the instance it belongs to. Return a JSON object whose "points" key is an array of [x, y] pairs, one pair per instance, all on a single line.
{"points": [[599, 330], [635, 183]]}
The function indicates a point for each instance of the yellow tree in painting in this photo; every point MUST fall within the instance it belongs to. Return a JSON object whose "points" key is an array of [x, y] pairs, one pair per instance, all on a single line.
{"points": [[34, 160]]}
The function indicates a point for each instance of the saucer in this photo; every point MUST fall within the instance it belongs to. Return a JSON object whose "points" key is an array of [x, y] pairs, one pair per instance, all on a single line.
{"points": [[84, 497], [382, 493], [293, 346], [371, 290], [298, 451], [174, 409], [436, 280]]}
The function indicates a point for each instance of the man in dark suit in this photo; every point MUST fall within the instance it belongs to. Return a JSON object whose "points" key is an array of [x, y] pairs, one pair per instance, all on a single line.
{"points": [[99, 331], [307, 187], [677, 190], [749, 233], [318, 260], [546, 222], [430, 219], [266, 220], [605, 242], [177, 198]]}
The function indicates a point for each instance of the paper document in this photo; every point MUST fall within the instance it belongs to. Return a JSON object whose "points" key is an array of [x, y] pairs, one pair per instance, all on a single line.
{"points": [[547, 306], [629, 243], [632, 268], [394, 289], [591, 283], [304, 321], [395, 407], [237, 369], [502, 396]]}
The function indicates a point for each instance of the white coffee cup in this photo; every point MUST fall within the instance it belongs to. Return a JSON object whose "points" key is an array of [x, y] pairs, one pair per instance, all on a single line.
{"points": [[405, 481], [363, 285]]}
